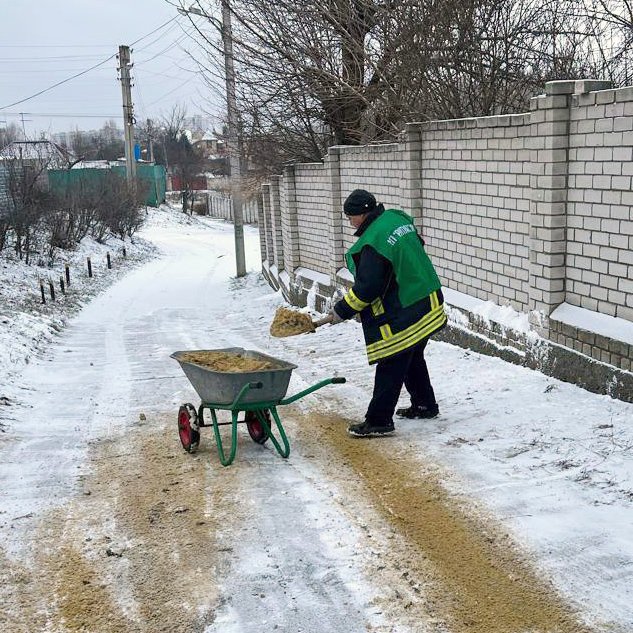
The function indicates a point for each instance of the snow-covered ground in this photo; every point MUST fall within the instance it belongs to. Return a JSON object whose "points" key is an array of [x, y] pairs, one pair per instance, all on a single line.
{"points": [[554, 463], [27, 324]]}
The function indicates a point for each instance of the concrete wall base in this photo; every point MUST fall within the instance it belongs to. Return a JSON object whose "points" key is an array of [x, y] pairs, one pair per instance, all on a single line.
{"points": [[550, 359]]}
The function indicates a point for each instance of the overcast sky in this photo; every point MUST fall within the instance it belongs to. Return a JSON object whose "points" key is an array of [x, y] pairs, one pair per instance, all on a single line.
{"points": [[43, 42]]}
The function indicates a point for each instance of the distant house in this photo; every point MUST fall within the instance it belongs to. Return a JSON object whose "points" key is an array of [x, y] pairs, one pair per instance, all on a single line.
{"points": [[46, 153], [210, 145]]}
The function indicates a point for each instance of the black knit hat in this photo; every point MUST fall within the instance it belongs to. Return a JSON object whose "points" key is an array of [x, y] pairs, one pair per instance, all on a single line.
{"points": [[359, 202]]}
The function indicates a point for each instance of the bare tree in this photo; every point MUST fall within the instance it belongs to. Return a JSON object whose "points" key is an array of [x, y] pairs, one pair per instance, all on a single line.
{"points": [[278, 50], [493, 56], [173, 123], [176, 151], [612, 22], [104, 144], [351, 71], [27, 194], [9, 134]]}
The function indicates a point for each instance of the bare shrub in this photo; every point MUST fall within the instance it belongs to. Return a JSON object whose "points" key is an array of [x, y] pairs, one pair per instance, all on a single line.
{"points": [[121, 208], [26, 202]]}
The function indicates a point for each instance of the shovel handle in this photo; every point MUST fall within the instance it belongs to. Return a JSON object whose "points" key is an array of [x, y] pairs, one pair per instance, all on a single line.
{"points": [[324, 321]]}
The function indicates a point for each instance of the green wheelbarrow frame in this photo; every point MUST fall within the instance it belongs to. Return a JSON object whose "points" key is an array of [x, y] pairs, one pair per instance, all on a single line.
{"points": [[259, 408]]}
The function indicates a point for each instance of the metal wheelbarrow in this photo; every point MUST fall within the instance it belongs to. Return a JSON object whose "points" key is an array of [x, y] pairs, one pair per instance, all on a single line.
{"points": [[256, 393]]}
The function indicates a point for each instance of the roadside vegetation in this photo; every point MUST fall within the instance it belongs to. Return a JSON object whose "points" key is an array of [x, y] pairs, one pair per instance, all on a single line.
{"points": [[37, 221]]}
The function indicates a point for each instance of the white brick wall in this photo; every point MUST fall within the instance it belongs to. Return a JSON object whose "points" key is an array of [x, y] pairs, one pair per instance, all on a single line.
{"points": [[531, 210], [600, 203], [475, 218], [377, 168], [312, 191]]}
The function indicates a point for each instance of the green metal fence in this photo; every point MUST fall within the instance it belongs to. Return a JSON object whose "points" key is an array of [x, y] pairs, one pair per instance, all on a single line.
{"points": [[153, 176]]}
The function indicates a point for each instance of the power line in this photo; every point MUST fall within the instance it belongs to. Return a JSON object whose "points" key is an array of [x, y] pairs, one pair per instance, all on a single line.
{"points": [[48, 71], [66, 115], [158, 39], [48, 58], [144, 71], [153, 57], [154, 31], [83, 72], [168, 48], [59, 83], [55, 46], [168, 93]]}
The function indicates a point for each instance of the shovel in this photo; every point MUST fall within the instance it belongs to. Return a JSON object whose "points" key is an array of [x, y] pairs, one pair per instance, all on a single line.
{"points": [[324, 321]]}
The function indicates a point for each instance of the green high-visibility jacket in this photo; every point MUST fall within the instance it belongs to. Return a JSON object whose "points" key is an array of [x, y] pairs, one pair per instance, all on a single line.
{"points": [[411, 306]]}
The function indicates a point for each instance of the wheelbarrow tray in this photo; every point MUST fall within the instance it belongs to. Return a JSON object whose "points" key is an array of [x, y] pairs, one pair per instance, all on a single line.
{"points": [[221, 387]]}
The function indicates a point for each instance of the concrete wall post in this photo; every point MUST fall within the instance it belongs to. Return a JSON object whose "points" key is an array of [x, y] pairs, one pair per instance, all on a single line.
{"points": [[289, 221], [335, 212], [549, 157]]}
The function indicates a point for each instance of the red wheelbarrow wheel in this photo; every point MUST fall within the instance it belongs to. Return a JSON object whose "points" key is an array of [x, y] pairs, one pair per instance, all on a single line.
{"points": [[189, 436], [255, 428]]}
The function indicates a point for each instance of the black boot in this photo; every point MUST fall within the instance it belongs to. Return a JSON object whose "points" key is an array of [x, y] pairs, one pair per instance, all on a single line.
{"points": [[371, 429], [419, 412]]}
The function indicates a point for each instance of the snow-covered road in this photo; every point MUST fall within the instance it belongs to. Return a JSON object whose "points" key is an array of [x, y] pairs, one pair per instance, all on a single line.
{"points": [[290, 545]]}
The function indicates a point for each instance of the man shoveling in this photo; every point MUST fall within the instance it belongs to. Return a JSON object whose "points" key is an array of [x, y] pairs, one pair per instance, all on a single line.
{"points": [[398, 295]]}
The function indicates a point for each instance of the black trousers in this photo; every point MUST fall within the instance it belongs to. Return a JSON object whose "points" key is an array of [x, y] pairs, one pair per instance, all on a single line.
{"points": [[407, 368]]}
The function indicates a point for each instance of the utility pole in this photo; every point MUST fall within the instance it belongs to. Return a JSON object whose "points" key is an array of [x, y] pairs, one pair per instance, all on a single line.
{"points": [[233, 142], [24, 126], [150, 141], [128, 111]]}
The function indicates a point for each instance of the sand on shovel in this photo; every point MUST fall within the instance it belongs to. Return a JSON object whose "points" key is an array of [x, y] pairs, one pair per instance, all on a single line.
{"points": [[290, 322]]}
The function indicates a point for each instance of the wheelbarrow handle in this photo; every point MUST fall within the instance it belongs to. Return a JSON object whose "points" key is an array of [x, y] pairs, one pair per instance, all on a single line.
{"points": [[319, 385]]}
